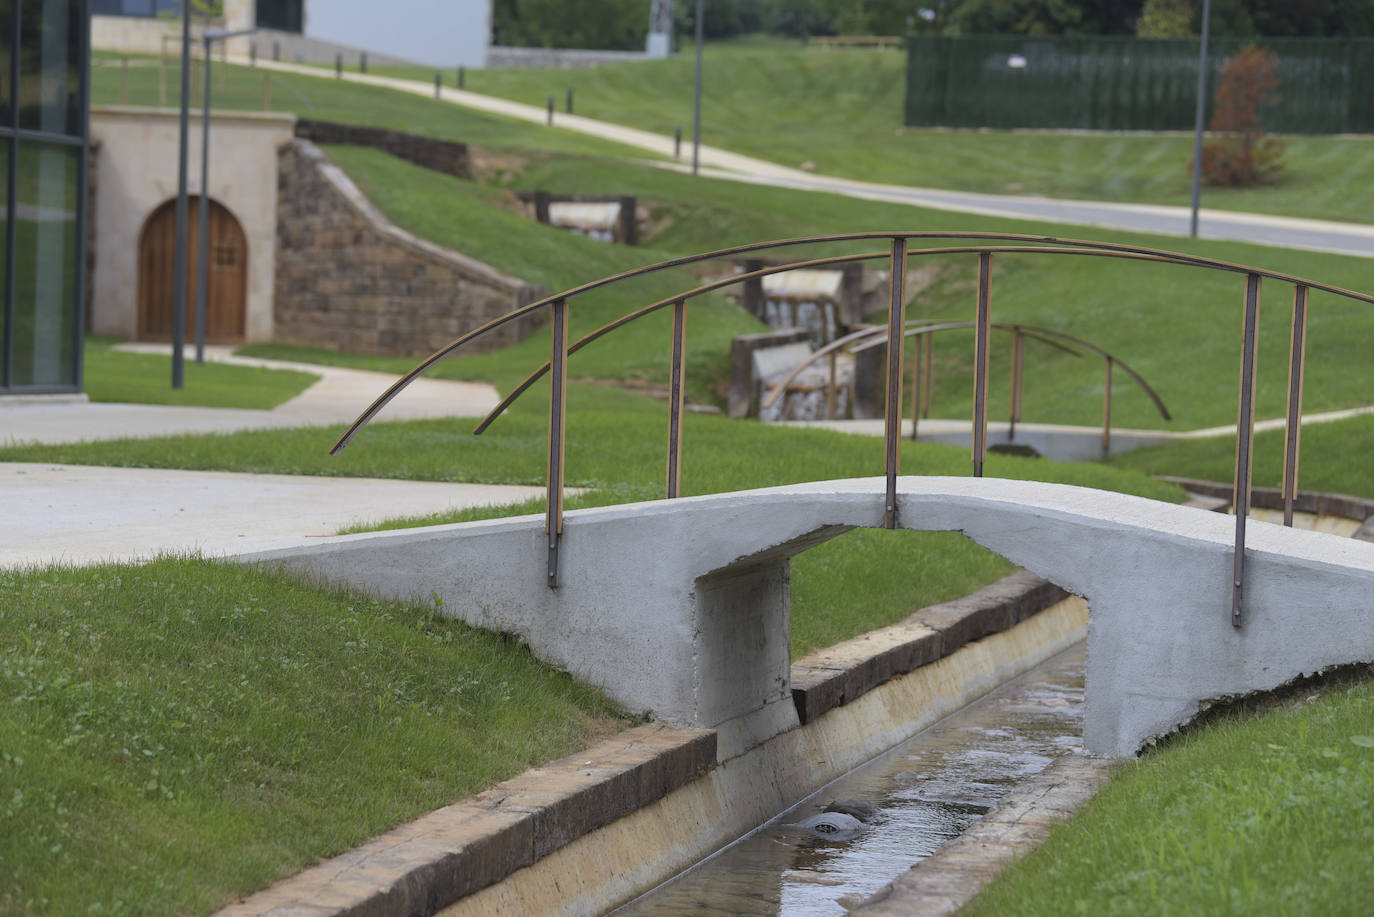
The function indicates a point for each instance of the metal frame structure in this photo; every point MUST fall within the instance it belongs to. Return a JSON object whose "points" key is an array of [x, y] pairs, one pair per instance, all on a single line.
{"points": [[985, 245], [12, 135]]}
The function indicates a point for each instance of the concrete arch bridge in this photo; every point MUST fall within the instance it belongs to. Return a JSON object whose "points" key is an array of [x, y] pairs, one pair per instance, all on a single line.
{"points": [[681, 606]]}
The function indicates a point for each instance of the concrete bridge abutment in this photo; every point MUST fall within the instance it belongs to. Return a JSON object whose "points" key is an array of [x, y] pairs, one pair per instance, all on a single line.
{"points": [[682, 608]]}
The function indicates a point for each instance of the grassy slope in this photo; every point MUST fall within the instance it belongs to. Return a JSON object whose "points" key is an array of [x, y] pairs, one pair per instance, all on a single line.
{"points": [[146, 379], [165, 717], [842, 111], [1335, 458], [1177, 326], [1266, 816], [325, 99]]}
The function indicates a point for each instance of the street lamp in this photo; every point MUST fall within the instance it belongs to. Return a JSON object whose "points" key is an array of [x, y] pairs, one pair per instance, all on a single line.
{"points": [[1201, 109], [209, 36]]}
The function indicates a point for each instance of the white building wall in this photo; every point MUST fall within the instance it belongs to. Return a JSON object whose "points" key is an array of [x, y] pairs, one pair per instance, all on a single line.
{"points": [[137, 172]]}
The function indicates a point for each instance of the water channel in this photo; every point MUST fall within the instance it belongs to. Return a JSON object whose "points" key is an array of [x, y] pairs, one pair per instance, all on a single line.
{"points": [[922, 792]]}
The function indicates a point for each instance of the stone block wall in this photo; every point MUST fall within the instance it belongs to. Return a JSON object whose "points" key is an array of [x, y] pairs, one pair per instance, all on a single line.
{"points": [[349, 280], [439, 155]]}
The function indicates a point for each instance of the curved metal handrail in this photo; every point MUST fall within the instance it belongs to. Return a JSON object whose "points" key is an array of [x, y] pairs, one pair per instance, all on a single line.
{"points": [[985, 245], [1077, 246], [871, 336]]}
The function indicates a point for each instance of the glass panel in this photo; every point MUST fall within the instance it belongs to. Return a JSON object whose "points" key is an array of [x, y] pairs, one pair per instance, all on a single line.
{"points": [[52, 42], [4, 241], [6, 71], [45, 297], [284, 15]]}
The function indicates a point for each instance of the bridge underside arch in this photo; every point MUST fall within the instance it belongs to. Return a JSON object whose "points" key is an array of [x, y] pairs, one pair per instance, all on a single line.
{"points": [[681, 607]]}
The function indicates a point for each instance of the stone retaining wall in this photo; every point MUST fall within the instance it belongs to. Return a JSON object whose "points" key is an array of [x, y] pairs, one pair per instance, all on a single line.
{"points": [[439, 155], [347, 279]]}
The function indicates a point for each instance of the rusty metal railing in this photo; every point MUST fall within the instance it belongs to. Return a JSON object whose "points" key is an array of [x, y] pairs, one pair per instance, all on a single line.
{"points": [[924, 330], [979, 243]]}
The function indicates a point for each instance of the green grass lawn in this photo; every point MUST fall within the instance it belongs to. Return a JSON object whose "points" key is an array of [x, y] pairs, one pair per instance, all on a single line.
{"points": [[1177, 326], [141, 378], [1334, 458], [1264, 816], [615, 447], [842, 111], [326, 99], [181, 733]]}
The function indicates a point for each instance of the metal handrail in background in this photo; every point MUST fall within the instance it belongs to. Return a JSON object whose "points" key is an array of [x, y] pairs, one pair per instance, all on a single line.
{"points": [[898, 255], [869, 336]]}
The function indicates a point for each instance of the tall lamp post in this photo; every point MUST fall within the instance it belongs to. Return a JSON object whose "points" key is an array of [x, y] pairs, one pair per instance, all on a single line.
{"points": [[1201, 109], [179, 256], [696, 103], [209, 36]]}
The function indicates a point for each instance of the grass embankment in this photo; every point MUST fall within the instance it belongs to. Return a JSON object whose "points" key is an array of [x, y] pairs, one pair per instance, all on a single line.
{"points": [[843, 112], [1266, 815], [112, 375], [1179, 327], [1334, 458], [327, 99], [180, 733]]}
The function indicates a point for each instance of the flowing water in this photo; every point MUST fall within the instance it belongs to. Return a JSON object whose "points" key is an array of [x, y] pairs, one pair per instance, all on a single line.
{"points": [[925, 791]]}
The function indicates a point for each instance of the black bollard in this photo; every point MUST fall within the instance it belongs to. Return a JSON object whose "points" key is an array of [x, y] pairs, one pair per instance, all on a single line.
{"points": [[438, 83], [550, 111], [462, 74], [677, 142], [362, 62], [338, 66]]}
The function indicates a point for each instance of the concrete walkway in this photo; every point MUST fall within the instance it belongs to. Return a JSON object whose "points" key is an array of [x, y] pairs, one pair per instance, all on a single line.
{"points": [[86, 514], [77, 514], [1262, 229], [339, 396]]}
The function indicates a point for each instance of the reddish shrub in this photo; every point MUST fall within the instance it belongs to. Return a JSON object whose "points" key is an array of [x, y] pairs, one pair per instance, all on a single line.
{"points": [[1239, 153]]}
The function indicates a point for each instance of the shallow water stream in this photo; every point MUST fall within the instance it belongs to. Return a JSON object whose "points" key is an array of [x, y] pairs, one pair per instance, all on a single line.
{"points": [[926, 790]]}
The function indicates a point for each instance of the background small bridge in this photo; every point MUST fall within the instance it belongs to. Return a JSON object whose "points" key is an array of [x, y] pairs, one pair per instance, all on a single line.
{"points": [[682, 607]]}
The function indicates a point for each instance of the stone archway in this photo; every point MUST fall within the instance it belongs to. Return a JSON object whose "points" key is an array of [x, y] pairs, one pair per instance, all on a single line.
{"points": [[226, 279]]}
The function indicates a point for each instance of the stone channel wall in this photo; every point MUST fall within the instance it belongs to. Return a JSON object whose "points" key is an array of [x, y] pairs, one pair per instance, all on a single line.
{"points": [[347, 279]]}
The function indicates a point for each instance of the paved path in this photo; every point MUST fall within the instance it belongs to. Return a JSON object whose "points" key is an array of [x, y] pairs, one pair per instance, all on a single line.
{"points": [[1289, 232], [86, 514], [79, 514], [339, 396]]}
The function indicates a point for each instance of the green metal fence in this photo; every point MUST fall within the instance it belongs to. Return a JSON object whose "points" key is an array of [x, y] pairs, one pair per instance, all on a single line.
{"points": [[1326, 85]]}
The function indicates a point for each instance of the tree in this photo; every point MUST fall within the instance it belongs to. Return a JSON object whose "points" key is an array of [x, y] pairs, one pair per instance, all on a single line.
{"points": [[1165, 19], [1239, 153]]}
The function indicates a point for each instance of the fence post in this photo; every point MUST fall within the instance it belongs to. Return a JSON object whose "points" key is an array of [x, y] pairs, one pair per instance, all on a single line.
{"points": [[896, 325], [1245, 437], [558, 413], [1293, 423], [676, 397], [980, 364]]}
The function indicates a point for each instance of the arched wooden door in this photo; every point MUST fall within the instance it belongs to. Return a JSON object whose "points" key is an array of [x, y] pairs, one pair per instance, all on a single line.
{"points": [[226, 281]]}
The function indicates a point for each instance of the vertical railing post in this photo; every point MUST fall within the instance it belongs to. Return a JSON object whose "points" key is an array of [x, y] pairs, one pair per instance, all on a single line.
{"points": [[929, 383], [1293, 425], [1245, 438], [830, 385], [1107, 407], [1017, 353], [980, 364], [558, 412], [896, 324], [676, 396], [918, 373]]}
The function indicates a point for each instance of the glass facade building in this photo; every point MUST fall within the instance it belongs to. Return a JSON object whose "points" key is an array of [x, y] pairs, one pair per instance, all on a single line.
{"points": [[44, 73]]}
